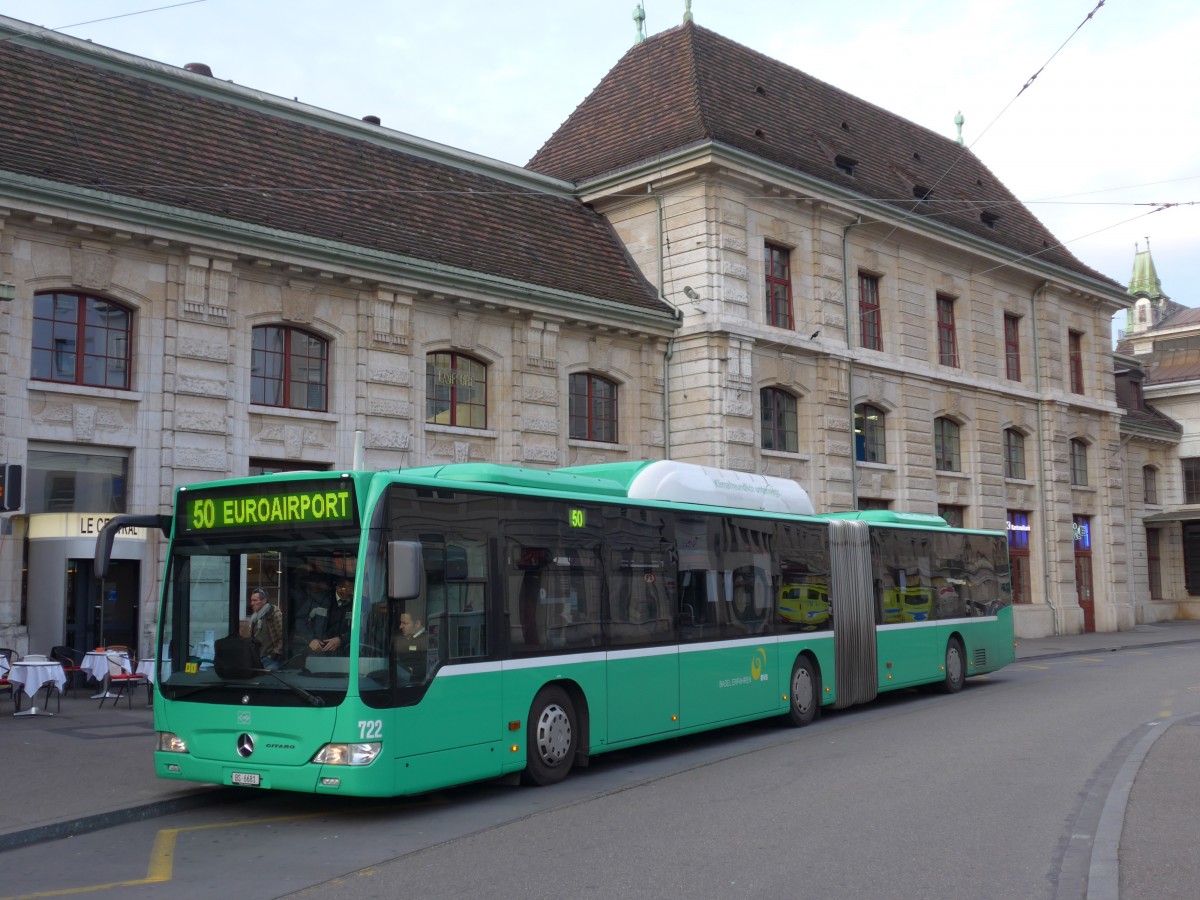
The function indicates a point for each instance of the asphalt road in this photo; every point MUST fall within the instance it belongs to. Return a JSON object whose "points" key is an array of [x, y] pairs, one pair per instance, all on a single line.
{"points": [[985, 794]]}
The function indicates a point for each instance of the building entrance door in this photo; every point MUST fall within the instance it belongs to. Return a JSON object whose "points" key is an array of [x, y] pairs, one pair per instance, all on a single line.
{"points": [[99, 614], [1084, 593]]}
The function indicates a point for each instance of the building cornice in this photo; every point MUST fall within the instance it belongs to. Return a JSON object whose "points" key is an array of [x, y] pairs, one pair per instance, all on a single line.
{"points": [[128, 214], [677, 163]]}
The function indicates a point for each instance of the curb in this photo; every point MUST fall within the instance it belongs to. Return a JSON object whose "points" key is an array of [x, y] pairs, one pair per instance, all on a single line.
{"points": [[1059, 653], [58, 830]]}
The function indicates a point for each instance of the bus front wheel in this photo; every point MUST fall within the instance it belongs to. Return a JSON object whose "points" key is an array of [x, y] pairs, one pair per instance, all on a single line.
{"points": [[551, 737], [804, 704], [956, 667]]}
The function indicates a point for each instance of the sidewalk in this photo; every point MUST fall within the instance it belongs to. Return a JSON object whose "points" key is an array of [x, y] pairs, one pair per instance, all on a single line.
{"points": [[83, 769], [88, 768]]}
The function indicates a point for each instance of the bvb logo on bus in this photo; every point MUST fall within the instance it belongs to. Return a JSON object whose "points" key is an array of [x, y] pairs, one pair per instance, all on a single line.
{"points": [[756, 665]]}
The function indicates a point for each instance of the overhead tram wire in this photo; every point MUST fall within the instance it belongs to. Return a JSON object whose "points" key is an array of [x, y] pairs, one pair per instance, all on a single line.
{"points": [[139, 12], [1028, 82]]}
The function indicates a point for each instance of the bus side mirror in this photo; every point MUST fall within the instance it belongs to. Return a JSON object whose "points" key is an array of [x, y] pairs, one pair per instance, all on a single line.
{"points": [[405, 565]]}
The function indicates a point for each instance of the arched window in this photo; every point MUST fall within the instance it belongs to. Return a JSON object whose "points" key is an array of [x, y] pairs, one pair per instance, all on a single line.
{"points": [[593, 408], [870, 434], [289, 368], [1014, 453], [1079, 463], [947, 445], [455, 390], [779, 422], [80, 339]]}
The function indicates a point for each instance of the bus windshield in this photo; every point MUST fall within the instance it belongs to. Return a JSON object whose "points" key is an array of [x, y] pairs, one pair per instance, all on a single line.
{"points": [[260, 609]]}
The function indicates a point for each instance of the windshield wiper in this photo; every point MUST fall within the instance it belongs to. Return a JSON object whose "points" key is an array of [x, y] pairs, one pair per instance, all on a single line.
{"points": [[313, 699]]}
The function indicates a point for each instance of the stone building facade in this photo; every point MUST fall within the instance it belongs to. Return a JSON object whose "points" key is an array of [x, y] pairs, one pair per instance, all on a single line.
{"points": [[756, 271], [1159, 382], [156, 339], [938, 349]]}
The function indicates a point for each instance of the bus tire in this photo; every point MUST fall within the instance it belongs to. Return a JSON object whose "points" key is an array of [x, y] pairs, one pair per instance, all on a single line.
{"points": [[956, 667], [804, 693], [551, 737]]}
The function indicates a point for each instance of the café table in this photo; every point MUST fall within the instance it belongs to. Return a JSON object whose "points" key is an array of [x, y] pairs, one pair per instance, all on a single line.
{"points": [[31, 677], [152, 669], [95, 663], [149, 668]]}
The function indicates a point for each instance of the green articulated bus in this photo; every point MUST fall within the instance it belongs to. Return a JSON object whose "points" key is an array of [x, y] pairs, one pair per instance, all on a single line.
{"points": [[507, 620]]}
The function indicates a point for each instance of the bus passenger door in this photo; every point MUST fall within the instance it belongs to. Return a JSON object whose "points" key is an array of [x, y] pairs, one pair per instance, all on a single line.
{"points": [[643, 660], [643, 692]]}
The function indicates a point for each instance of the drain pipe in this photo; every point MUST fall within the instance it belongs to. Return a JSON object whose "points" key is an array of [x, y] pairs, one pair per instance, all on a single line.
{"points": [[1055, 612], [850, 357], [662, 293]]}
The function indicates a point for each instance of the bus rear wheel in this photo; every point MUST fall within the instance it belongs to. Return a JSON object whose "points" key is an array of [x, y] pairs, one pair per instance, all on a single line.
{"points": [[956, 667], [551, 737], [804, 704]]}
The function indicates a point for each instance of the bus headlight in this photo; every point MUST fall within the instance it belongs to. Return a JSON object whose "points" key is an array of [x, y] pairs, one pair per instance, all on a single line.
{"points": [[171, 743], [348, 754]]}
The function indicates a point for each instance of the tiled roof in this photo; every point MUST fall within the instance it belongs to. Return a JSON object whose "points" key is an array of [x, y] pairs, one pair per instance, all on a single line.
{"points": [[1150, 418], [690, 86], [81, 122], [1173, 364], [1181, 318]]}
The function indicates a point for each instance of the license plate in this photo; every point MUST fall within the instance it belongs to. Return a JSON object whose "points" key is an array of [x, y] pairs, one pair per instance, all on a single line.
{"points": [[247, 778]]}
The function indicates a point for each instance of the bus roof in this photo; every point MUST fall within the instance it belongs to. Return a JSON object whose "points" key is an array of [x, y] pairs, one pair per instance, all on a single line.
{"points": [[891, 517], [661, 480]]}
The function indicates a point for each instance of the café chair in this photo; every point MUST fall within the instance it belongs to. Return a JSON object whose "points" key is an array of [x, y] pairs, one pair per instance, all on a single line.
{"points": [[6, 686], [121, 648], [123, 680], [72, 662]]}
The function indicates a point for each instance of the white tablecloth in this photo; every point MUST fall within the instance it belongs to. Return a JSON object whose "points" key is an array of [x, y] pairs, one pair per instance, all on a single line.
{"points": [[150, 668], [95, 663], [31, 676], [3, 666]]}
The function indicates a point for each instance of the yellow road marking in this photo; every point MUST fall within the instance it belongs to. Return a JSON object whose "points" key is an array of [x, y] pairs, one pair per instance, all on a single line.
{"points": [[162, 857], [161, 867], [1032, 666]]}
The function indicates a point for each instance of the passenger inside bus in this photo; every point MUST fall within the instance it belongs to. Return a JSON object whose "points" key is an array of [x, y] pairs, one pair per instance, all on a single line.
{"points": [[331, 620]]}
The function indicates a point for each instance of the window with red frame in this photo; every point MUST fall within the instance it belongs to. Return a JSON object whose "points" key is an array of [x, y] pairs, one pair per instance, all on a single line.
{"points": [[1018, 555], [779, 286], [869, 317], [947, 445], [780, 430], [289, 367], [1079, 463], [80, 339], [947, 338], [955, 516], [455, 390], [593, 408], [1014, 454], [1012, 347], [1075, 354]]}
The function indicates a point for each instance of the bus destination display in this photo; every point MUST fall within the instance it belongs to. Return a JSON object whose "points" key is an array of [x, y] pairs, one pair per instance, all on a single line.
{"points": [[319, 503]]}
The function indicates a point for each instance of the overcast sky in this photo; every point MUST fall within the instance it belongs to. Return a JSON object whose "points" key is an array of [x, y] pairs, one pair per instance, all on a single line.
{"points": [[1108, 131]]}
